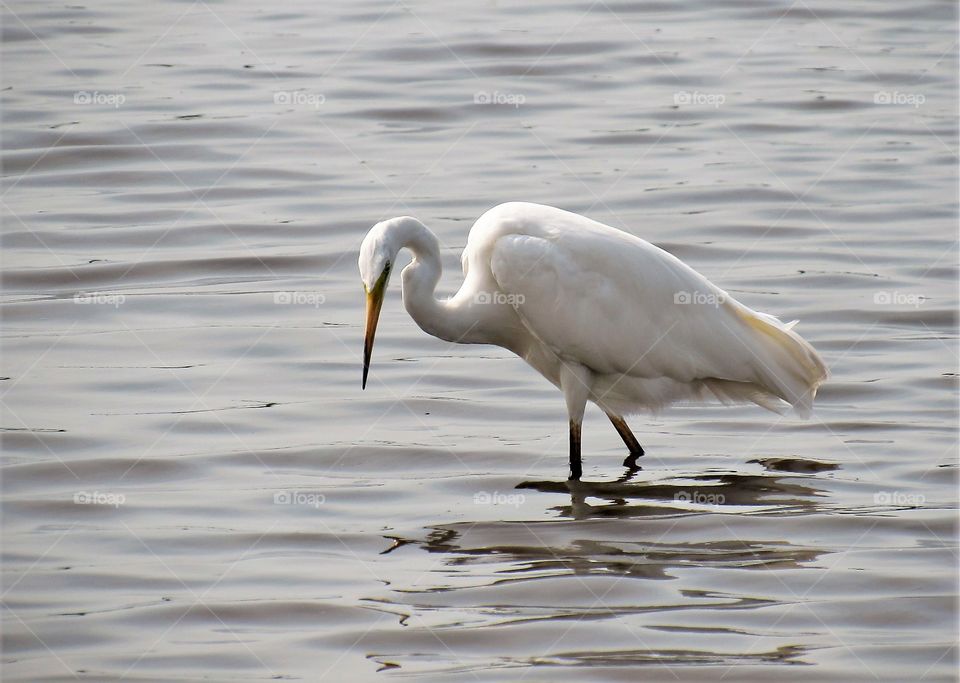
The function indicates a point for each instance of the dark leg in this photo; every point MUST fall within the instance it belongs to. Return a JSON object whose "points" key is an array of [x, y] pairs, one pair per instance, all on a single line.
{"points": [[636, 450], [575, 381], [576, 469]]}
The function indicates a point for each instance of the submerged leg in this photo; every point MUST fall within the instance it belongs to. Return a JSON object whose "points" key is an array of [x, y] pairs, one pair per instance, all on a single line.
{"points": [[636, 450], [576, 467], [575, 382]]}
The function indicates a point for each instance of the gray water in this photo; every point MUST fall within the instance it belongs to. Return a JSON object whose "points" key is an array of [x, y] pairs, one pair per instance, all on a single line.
{"points": [[194, 486]]}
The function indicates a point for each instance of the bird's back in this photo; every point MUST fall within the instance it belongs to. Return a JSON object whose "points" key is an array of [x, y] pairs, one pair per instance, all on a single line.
{"points": [[622, 307]]}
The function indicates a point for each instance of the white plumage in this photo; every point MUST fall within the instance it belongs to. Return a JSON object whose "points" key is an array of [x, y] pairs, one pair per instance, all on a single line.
{"points": [[602, 314]]}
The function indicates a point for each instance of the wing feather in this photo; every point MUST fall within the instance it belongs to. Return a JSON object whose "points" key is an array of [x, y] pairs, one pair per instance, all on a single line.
{"points": [[619, 305]]}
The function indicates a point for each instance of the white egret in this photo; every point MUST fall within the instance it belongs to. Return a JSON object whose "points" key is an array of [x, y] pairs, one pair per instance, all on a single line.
{"points": [[603, 315]]}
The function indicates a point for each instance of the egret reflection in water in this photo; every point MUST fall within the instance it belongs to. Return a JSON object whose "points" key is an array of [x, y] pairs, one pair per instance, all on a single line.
{"points": [[621, 579]]}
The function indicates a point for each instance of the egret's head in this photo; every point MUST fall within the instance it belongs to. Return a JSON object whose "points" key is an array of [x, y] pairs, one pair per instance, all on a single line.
{"points": [[378, 253]]}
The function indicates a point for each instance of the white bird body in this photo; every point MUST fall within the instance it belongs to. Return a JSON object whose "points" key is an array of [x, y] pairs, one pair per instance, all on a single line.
{"points": [[602, 314]]}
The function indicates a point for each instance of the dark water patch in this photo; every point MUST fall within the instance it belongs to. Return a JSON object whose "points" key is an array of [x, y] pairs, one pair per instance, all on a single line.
{"points": [[120, 274]]}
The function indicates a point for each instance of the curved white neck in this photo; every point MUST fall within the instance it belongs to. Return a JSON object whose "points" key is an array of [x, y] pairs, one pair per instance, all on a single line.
{"points": [[438, 318]]}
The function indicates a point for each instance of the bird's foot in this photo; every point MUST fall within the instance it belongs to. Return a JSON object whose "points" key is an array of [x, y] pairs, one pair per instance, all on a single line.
{"points": [[631, 460], [632, 467]]}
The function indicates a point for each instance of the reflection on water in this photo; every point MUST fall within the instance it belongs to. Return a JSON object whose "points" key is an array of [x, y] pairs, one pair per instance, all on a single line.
{"points": [[715, 492], [529, 557], [587, 568], [786, 654], [498, 575], [641, 560]]}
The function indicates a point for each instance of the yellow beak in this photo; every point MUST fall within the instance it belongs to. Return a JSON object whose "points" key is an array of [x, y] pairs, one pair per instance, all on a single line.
{"points": [[374, 304]]}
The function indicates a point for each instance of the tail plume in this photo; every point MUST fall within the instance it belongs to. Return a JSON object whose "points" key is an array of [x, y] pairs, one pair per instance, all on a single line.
{"points": [[786, 364]]}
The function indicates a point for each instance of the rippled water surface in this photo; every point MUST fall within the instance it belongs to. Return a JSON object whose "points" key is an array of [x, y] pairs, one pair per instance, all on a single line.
{"points": [[194, 486]]}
